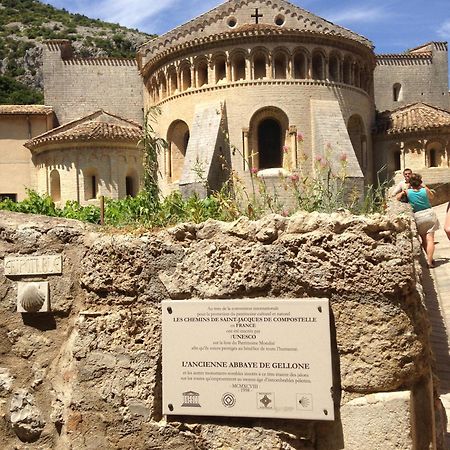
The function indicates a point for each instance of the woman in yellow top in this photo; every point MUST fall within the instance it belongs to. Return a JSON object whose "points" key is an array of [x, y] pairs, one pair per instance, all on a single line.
{"points": [[419, 197]]}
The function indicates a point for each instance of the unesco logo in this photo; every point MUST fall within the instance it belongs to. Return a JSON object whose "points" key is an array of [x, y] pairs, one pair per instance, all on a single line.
{"points": [[228, 400]]}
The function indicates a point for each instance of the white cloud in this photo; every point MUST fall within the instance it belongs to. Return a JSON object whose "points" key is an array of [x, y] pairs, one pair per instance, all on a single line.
{"points": [[356, 15], [444, 30]]}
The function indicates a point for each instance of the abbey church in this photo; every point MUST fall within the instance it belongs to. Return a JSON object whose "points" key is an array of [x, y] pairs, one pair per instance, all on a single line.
{"points": [[263, 87]]}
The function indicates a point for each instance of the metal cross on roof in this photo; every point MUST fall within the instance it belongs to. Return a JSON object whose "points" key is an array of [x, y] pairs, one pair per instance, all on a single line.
{"points": [[256, 15]]}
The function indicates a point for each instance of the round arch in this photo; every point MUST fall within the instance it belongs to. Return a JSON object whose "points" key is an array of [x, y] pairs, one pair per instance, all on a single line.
{"points": [[178, 139], [55, 185], [267, 137]]}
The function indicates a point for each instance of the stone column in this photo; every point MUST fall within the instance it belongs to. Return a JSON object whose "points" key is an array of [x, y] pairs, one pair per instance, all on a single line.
{"points": [[327, 68], [308, 60], [211, 74], [290, 67], [228, 68], [269, 67], [247, 162], [293, 146], [193, 73]]}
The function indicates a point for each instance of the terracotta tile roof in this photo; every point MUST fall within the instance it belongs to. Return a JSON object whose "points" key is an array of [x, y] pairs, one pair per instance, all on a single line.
{"points": [[413, 117], [99, 126], [25, 109], [256, 26]]}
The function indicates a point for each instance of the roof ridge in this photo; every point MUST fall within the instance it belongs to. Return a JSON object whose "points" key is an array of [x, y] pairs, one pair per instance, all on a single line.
{"points": [[187, 28]]}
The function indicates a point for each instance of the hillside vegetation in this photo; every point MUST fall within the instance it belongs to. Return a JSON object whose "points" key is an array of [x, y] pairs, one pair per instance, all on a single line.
{"points": [[25, 24]]}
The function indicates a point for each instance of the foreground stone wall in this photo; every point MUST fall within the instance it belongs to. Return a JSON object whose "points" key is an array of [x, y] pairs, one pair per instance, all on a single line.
{"points": [[88, 375]]}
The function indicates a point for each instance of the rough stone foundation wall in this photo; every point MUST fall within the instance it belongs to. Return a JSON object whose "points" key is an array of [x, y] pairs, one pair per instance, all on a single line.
{"points": [[88, 374]]}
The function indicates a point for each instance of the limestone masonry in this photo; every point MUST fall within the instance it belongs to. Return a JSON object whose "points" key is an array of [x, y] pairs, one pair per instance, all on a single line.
{"points": [[87, 375]]}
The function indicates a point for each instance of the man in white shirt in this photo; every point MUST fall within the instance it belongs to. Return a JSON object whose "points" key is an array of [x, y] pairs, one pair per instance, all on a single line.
{"points": [[403, 185]]}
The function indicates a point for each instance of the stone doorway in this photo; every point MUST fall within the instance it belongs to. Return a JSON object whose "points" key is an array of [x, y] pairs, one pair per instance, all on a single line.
{"points": [[269, 144]]}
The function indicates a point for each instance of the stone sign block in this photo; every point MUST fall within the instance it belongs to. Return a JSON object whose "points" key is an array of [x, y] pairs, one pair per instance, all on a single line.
{"points": [[33, 297], [247, 358], [33, 265]]}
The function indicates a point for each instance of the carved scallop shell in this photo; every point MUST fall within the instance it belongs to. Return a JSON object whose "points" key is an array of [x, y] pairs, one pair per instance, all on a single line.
{"points": [[32, 298]]}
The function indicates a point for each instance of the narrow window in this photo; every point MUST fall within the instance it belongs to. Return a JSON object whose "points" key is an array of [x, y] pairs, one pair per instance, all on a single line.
{"points": [[433, 158], [129, 187], [55, 186], [259, 67], [299, 66], [397, 92], [280, 66], [202, 71], [220, 68], [94, 186]]}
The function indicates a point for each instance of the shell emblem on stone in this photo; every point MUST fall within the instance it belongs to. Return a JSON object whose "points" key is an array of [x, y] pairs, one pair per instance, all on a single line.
{"points": [[32, 298]]}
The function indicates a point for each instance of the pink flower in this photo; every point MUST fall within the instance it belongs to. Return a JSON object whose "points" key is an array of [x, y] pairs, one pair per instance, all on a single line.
{"points": [[343, 156], [300, 136], [254, 170], [285, 148], [294, 178], [284, 213], [318, 158]]}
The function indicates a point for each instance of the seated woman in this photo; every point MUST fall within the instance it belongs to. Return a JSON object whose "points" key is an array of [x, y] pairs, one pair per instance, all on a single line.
{"points": [[427, 223]]}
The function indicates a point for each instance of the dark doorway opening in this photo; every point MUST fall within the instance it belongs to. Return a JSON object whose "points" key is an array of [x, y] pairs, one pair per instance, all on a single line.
{"points": [[269, 144]]}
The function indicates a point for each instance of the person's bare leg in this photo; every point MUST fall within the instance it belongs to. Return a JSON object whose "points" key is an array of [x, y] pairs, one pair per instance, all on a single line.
{"points": [[428, 246], [447, 224]]}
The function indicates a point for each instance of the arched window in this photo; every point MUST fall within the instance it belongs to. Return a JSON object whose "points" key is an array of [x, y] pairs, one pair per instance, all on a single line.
{"points": [[238, 68], [173, 82], [347, 69], [178, 139], [334, 68], [55, 186], [220, 69], [91, 182], [269, 144], [318, 66], [163, 86], [259, 66], [186, 81], [131, 184], [432, 158], [300, 66], [397, 92], [202, 73], [280, 66]]}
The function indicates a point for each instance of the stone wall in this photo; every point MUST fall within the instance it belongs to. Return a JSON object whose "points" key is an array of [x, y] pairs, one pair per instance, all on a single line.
{"points": [[423, 78], [88, 374], [78, 87]]}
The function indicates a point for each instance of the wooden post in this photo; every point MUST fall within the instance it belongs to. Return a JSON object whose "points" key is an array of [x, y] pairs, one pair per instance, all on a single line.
{"points": [[102, 210]]}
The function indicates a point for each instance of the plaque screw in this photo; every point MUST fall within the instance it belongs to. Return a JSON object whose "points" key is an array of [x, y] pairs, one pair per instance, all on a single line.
{"points": [[320, 309], [325, 411], [169, 310], [170, 407]]}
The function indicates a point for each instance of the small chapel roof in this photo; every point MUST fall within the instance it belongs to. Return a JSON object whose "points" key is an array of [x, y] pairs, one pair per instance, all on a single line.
{"points": [[413, 117], [25, 109], [98, 126]]}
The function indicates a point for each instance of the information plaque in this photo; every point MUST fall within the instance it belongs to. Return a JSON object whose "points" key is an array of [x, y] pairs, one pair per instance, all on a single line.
{"points": [[247, 358]]}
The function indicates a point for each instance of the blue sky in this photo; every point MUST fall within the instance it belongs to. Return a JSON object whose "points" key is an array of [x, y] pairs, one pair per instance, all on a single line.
{"points": [[392, 25]]}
